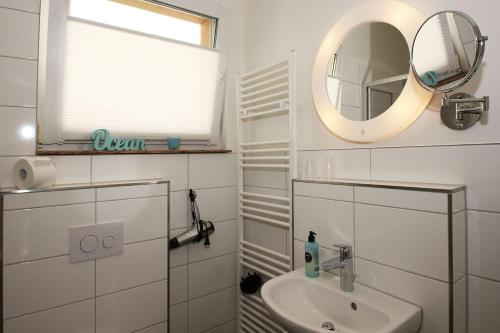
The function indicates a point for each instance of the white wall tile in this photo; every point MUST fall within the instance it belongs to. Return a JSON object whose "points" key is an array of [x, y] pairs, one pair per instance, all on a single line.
{"points": [[37, 285], [72, 169], [77, 317], [45, 199], [18, 128], [460, 306], [426, 201], [31, 234], [139, 264], [6, 164], [218, 204], [449, 165], [144, 218], [459, 245], [268, 236], [348, 163], [136, 167], [179, 318], [484, 302], [27, 5], [430, 294], [179, 210], [18, 34], [331, 220], [212, 310], [18, 82], [179, 284], [211, 275], [410, 240], [223, 241], [325, 191], [212, 170], [132, 309], [178, 256], [160, 328], [484, 245], [131, 192]]}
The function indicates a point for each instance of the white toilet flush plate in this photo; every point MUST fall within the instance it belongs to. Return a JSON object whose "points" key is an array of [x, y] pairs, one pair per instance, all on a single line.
{"points": [[89, 242]]}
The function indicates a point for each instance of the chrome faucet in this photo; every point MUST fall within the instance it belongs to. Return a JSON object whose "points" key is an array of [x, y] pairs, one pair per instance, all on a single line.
{"points": [[344, 262]]}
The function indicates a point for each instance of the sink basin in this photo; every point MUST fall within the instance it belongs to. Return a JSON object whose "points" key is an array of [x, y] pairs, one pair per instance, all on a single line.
{"points": [[303, 305]]}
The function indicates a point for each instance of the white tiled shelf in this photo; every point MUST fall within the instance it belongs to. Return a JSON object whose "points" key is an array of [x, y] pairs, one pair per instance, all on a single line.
{"points": [[400, 233], [44, 292]]}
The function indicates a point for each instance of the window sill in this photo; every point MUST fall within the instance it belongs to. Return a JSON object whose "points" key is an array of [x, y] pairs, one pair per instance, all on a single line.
{"points": [[129, 152]]}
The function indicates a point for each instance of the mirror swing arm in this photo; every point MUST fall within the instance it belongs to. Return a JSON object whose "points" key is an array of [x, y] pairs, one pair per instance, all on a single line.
{"points": [[462, 104]]}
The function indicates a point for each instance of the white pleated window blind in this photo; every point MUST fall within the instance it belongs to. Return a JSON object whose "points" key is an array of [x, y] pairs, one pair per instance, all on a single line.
{"points": [[132, 82]]}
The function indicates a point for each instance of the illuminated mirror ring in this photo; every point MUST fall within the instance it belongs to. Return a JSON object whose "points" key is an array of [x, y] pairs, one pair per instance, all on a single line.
{"points": [[413, 98]]}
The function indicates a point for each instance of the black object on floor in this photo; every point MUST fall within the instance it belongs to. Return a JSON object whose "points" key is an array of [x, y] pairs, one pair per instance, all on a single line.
{"points": [[250, 284]]}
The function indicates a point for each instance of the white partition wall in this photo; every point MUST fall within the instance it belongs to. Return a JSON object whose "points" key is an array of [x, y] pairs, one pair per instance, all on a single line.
{"points": [[409, 240], [267, 163], [45, 291]]}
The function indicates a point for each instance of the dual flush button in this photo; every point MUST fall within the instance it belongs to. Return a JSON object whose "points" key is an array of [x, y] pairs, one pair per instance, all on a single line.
{"points": [[93, 241], [90, 243]]}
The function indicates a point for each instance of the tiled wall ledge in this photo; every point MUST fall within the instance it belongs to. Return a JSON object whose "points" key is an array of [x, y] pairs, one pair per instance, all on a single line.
{"points": [[414, 186], [133, 152]]}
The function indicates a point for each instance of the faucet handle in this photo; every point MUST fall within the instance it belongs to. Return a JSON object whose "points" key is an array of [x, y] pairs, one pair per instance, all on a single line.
{"points": [[345, 251]]}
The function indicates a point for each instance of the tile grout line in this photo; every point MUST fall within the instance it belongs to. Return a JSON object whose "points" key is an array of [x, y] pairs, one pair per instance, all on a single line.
{"points": [[21, 10], [379, 205], [403, 147], [67, 253], [484, 278], [218, 326], [403, 270], [49, 309], [95, 260], [148, 327], [370, 164], [131, 288], [187, 250]]}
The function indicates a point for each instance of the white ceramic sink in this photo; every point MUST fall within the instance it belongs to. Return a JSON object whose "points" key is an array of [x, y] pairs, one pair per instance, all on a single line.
{"points": [[302, 305]]}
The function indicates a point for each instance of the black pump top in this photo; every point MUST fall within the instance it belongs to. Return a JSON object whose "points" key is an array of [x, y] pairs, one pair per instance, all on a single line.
{"points": [[311, 237]]}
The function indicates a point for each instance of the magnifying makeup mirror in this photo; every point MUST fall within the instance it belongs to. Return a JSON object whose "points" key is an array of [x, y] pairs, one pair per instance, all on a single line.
{"points": [[447, 51]]}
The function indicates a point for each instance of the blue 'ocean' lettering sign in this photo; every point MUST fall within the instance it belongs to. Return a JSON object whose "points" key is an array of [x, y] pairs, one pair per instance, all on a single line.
{"points": [[102, 140]]}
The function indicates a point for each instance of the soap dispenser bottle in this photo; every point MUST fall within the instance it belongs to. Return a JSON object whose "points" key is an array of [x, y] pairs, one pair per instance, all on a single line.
{"points": [[312, 256]]}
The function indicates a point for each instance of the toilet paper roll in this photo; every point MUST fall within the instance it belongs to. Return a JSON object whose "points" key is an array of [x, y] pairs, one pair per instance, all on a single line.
{"points": [[34, 172]]}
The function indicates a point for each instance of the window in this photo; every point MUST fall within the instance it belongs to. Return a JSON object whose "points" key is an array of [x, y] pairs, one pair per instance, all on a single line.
{"points": [[134, 67]]}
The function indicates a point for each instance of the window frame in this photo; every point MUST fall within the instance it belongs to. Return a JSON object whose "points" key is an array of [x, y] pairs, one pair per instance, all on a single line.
{"points": [[211, 22], [207, 23]]}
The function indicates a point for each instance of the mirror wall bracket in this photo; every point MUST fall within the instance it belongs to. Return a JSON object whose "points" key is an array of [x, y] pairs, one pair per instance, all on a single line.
{"points": [[460, 111]]}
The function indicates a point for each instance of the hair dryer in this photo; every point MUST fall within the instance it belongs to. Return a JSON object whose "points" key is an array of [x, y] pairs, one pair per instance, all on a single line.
{"points": [[200, 229]]}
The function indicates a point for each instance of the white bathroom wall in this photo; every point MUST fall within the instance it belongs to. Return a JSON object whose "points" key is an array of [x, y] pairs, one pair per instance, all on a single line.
{"points": [[427, 151], [203, 280]]}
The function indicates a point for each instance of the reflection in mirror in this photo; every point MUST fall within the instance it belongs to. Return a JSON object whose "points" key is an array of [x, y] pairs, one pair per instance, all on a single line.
{"points": [[444, 54], [368, 71]]}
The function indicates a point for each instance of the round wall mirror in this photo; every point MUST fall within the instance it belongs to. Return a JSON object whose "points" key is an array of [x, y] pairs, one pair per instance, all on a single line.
{"points": [[368, 71], [363, 88], [447, 51]]}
